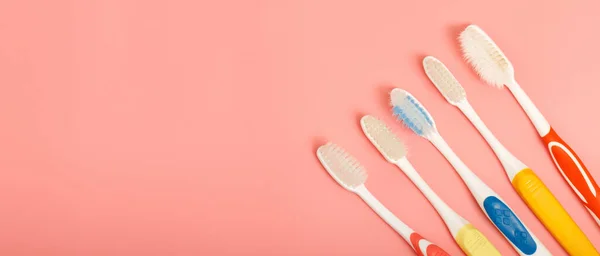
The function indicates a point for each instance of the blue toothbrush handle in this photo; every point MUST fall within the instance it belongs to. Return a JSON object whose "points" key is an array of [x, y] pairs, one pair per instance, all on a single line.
{"points": [[510, 226]]}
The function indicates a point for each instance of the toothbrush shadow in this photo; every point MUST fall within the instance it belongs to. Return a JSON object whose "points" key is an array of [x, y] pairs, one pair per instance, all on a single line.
{"points": [[359, 115], [383, 95], [317, 142], [453, 34], [419, 62]]}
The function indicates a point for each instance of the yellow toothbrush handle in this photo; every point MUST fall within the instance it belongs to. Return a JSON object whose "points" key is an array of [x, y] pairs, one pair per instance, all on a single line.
{"points": [[474, 243], [551, 213]]}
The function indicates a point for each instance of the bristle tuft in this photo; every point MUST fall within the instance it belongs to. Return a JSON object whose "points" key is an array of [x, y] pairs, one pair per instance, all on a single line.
{"points": [[412, 113], [443, 80], [486, 57], [343, 167], [388, 144]]}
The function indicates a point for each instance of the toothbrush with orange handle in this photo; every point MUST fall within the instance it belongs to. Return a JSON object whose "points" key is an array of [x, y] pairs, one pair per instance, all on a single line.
{"points": [[351, 175], [574, 172], [526, 183], [492, 65]]}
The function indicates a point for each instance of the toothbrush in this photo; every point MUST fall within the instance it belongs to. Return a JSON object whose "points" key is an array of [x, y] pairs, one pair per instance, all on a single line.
{"points": [[468, 238], [527, 184], [412, 113], [493, 67], [350, 174]]}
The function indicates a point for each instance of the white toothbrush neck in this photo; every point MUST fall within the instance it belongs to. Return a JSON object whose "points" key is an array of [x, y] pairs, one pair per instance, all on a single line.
{"points": [[511, 164], [479, 190], [539, 121], [453, 221], [384, 213]]}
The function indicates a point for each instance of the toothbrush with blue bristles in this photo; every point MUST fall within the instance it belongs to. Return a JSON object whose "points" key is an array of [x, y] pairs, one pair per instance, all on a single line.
{"points": [[410, 111], [470, 240]]}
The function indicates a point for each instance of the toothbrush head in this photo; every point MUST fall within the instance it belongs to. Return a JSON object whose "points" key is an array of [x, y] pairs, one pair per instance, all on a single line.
{"points": [[444, 81], [344, 168], [388, 144], [486, 57], [411, 112]]}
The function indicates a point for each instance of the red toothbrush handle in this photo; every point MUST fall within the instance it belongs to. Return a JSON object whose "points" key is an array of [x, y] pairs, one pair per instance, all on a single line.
{"points": [[425, 248], [574, 172]]}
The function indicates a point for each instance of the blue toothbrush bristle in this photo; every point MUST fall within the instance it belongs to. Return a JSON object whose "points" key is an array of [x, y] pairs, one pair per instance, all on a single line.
{"points": [[399, 113], [418, 106], [413, 115]]}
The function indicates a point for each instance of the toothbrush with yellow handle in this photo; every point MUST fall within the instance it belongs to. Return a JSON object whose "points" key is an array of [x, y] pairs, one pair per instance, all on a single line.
{"points": [[469, 239], [527, 184], [414, 115], [492, 65]]}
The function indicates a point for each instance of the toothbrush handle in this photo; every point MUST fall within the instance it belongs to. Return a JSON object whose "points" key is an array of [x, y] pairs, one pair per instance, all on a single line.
{"points": [[421, 246], [575, 172], [473, 243], [511, 226], [425, 248], [549, 211]]}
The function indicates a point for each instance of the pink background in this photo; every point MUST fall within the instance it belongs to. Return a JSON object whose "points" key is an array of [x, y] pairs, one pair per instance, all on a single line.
{"points": [[190, 127]]}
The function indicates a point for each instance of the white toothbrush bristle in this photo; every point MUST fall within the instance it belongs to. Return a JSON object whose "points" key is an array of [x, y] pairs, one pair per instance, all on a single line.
{"points": [[486, 57], [388, 144], [344, 168], [443, 80]]}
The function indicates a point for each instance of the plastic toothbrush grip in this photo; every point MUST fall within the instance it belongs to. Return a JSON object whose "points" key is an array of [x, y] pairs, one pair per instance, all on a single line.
{"points": [[425, 248], [551, 213], [473, 243], [509, 225], [574, 171]]}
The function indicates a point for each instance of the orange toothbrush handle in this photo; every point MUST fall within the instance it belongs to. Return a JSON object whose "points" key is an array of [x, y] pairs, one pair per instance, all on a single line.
{"points": [[574, 172], [425, 248]]}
